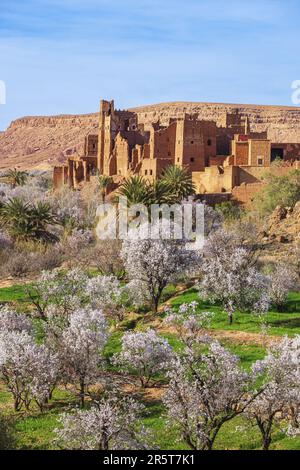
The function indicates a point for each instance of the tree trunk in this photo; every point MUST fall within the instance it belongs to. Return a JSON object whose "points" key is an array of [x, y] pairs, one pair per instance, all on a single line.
{"points": [[17, 404], [82, 387], [155, 305], [230, 318], [266, 442]]}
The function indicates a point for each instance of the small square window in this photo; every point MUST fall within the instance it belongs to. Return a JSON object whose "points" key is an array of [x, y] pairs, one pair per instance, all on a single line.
{"points": [[260, 161], [192, 141], [178, 159], [150, 172], [192, 159], [146, 172]]}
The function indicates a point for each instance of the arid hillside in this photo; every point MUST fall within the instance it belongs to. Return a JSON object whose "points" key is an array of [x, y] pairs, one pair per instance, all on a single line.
{"points": [[41, 142]]}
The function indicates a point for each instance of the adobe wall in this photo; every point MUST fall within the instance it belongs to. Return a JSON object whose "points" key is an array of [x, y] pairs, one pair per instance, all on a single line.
{"points": [[240, 150], [215, 179], [58, 177], [164, 143], [253, 174], [217, 160], [246, 192], [91, 145], [121, 155], [259, 150]]}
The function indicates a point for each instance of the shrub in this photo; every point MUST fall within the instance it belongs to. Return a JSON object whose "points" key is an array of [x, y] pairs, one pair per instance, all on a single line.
{"points": [[230, 211], [281, 190]]}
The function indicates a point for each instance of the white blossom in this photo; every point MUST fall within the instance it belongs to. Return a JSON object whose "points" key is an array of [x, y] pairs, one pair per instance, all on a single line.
{"points": [[205, 391], [110, 424], [279, 402], [82, 346], [146, 353], [13, 321], [189, 324], [152, 264], [231, 278], [283, 280], [28, 370]]}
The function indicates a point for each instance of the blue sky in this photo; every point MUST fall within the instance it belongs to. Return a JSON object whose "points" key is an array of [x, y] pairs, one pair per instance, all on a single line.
{"points": [[62, 56]]}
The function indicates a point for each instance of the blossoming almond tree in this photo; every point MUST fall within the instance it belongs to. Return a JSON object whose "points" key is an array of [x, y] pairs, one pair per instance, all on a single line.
{"points": [[189, 325], [279, 402], [153, 264], [230, 277], [145, 353], [82, 346], [107, 293], [65, 291], [205, 392], [283, 280], [29, 371], [110, 424]]}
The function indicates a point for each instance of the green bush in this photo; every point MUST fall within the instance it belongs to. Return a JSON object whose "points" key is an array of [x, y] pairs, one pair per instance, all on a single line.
{"points": [[279, 190], [230, 210]]}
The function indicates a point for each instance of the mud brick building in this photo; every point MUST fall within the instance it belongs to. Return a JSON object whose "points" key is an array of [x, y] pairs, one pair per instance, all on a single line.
{"points": [[223, 156]]}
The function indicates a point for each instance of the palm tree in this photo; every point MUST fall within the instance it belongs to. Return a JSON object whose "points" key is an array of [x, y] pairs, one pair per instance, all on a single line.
{"points": [[160, 192], [15, 177], [179, 182], [104, 182], [26, 221], [41, 216], [14, 215], [137, 190]]}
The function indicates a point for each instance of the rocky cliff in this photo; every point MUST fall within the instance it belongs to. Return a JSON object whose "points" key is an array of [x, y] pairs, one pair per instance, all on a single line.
{"points": [[41, 142]]}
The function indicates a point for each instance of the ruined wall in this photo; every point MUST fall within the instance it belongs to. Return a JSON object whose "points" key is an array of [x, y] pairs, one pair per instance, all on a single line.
{"points": [[164, 143], [91, 145]]}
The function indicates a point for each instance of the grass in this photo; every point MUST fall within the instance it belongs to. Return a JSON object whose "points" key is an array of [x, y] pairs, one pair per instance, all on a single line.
{"points": [[279, 323], [15, 293]]}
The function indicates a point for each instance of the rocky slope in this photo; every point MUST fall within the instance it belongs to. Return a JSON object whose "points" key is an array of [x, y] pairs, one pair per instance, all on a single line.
{"points": [[41, 142], [283, 225]]}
